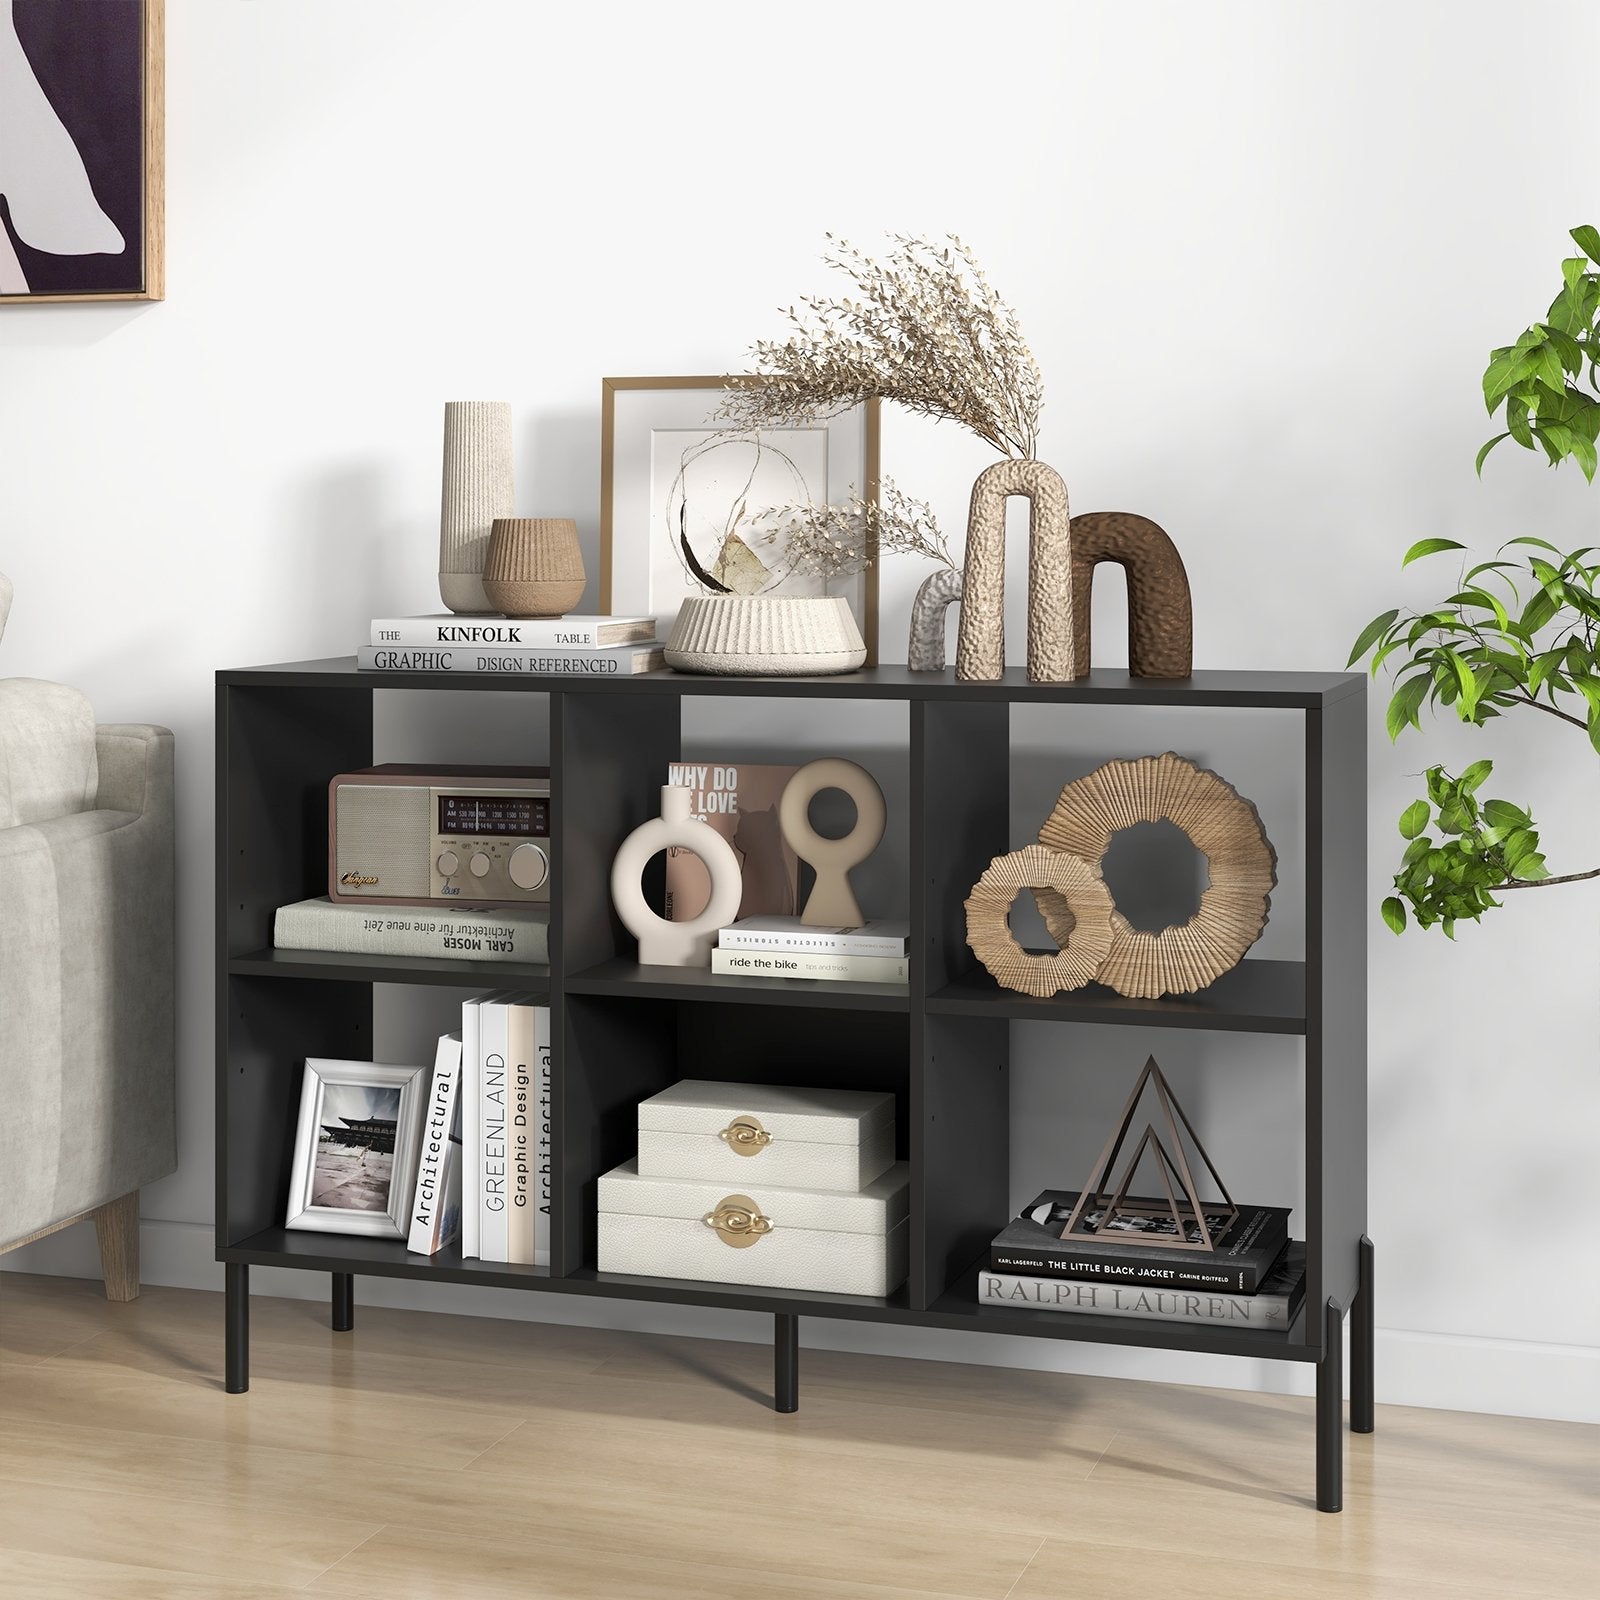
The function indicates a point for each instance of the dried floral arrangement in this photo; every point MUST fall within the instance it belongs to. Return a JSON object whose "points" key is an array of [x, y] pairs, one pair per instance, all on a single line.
{"points": [[924, 329]]}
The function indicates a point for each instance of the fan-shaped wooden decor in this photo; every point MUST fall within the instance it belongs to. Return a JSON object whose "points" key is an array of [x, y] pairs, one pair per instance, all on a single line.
{"points": [[1221, 824], [1080, 904]]}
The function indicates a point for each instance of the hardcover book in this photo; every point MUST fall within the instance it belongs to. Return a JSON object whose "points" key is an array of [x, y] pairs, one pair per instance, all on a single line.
{"points": [[610, 661], [517, 633], [505, 933], [528, 1063], [804, 964], [494, 1046], [1274, 1305], [436, 1203], [790, 933], [1031, 1246], [741, 802]]}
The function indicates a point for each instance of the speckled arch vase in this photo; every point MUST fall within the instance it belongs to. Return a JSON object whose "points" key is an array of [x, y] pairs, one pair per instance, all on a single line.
{"points": [[925, 653]]}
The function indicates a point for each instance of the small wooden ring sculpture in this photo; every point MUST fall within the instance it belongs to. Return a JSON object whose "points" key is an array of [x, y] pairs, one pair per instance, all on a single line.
{"points": [[1082, 927], [1221, 824], [832, 902]]}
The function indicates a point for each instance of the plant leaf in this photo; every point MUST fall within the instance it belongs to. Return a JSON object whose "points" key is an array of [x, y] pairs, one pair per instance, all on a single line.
{"points": [[1414, 819], [1370, 634], [1429, 547]]}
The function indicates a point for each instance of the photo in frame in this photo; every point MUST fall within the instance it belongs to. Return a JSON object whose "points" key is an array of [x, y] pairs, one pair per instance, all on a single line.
{"points": [[355, 1148], [671, 478], [81, 150]]}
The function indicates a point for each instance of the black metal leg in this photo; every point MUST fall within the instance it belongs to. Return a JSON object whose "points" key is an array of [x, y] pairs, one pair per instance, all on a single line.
{"points": [[785, 1362], [1362, 1340], [236, 1310], [344, 1301], [1330, 1406]]}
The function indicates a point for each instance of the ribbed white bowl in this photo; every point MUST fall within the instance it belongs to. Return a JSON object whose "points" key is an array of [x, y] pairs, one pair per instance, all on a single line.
{"points": [[766, 636]]}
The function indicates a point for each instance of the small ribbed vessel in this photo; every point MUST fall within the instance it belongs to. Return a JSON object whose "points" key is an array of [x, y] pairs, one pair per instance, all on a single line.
{"points": [[534, 567], [766, 636]]}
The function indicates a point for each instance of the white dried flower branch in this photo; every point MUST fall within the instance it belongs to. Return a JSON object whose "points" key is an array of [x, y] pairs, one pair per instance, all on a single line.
{"points": [[833, 541], [928, 332]]}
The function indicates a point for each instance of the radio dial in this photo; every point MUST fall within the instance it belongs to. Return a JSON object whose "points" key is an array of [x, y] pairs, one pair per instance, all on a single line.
{"points": [[529, 866], [478, 864], [449, 864]]}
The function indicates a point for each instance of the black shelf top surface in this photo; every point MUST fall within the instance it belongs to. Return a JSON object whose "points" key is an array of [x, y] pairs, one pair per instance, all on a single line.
{"points": [[1104, 686], [339, 966], [623, 978], [957, 1308], [1256, 997]]}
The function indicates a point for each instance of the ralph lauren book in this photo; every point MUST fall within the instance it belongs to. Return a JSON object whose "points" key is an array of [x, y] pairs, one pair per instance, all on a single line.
{"points": [[1031, 1246]]}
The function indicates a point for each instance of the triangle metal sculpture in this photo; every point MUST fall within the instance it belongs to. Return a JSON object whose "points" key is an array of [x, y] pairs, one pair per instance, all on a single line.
{"points": [[1185, 1212]]}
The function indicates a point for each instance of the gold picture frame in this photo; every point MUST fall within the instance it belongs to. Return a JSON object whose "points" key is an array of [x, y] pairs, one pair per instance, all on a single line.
{"points": [[150, 207], [621, 591]]}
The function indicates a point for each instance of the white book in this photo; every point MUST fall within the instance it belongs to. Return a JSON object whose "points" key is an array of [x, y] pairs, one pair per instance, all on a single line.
{"points": [[436, 1203], [603, 661], [809, 964], [470, 1124], [493, 1084], [541, 1217], [790, 933], [452, 933], [579, 633], [522, 1112]]}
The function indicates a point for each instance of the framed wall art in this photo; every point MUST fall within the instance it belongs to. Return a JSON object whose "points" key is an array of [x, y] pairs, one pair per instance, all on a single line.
{"points": [[355, 1148], [677, 488], [81, 150]]}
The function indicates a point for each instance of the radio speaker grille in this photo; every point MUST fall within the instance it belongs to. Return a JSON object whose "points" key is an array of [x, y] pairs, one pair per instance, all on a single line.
{"points": [[381, 832]]}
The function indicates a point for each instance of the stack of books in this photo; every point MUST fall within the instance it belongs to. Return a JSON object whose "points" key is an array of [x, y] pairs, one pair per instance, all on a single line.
{"points": [[585, 647], [484, 1175], [1255, 1277], [446, 932], [785, 947]]}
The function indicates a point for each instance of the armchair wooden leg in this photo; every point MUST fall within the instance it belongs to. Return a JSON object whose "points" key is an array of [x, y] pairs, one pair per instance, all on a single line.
{"points": [[116, 1226]]}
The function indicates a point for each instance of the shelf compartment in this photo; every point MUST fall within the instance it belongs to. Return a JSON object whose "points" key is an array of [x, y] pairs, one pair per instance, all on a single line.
{"points": [[336, 965], [622, 978], [1256, 997], [959, 1307]]}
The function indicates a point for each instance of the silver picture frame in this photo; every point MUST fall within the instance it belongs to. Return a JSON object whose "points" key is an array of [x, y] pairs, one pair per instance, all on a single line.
{"points": [[373, 1186]]}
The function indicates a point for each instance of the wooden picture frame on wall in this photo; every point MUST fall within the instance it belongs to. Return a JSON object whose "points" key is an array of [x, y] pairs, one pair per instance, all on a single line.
{"points": [[82, 151], [652, 428]]}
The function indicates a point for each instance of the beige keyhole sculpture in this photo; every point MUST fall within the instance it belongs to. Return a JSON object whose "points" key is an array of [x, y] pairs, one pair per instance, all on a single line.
{"points": [[676, 944], [832, 903]]}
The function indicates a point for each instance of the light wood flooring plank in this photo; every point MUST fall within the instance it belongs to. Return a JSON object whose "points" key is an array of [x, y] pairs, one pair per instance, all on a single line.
{"points": [[27, 1575]]}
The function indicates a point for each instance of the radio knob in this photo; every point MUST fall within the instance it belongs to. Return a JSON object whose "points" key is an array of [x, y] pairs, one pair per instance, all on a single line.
{"points": [[478, 864], [449, 863], [529, 866]]}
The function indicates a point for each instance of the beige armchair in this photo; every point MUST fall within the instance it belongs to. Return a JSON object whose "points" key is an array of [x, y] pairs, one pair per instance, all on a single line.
{"points": [[86, 969]]}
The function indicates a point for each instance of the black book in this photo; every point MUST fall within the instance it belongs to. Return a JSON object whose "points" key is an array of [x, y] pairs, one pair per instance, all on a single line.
{"points": [[1031, 1245]]}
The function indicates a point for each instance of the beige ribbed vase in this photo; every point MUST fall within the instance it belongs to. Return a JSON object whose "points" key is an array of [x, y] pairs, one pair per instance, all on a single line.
{"points": [[534, 567], [766, 636], [476, 489]]}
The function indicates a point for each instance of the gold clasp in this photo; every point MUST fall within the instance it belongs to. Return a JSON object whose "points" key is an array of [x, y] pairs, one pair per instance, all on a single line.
{"points": [[745, 1136], [738, 1221]]}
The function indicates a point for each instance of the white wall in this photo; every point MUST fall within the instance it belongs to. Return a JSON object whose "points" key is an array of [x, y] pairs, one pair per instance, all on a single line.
{"points": [[1261, 252]]}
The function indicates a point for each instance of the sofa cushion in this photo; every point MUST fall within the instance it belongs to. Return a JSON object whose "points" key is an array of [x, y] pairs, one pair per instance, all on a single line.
{"points": [[48, 766]]}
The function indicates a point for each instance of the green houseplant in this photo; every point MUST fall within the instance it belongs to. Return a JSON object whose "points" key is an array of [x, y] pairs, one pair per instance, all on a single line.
{"points": [[1521, 631]]}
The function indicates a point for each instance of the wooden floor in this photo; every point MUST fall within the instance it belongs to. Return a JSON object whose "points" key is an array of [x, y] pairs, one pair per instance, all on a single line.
{"points": [[447, 1457]]}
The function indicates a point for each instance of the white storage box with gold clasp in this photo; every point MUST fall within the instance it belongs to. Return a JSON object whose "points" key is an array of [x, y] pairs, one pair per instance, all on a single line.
{"points": [[811, 1239], [738, 1134]]}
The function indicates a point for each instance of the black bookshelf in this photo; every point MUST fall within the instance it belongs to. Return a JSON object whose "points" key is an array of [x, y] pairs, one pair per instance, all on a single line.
{"points": [[622, 1031]]}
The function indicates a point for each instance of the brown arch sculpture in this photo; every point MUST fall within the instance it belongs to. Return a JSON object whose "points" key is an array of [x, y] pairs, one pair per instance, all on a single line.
{"points": [[1160, 611], [981, 642]]}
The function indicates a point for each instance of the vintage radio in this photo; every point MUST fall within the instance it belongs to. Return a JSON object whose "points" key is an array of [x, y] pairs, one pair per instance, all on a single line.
{"points": [[416, 836]]}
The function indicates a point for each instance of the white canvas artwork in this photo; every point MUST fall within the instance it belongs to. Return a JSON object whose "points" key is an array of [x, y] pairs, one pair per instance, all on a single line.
{"points": [[685, 494]]}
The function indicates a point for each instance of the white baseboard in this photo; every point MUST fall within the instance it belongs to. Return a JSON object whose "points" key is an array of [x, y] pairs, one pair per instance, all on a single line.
{"points": [[1505, 1376]]}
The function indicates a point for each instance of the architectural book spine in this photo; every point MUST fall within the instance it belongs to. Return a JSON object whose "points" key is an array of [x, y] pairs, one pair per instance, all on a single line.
{"points": [[807, 964], [612, 661], [541, 1217], [493, 1085], [1149, 1272], [478, 633], [431, 1204], [1117, 1300], [446, 931], [521, 1114]]}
